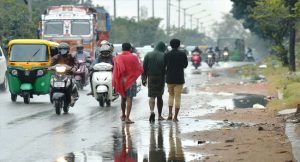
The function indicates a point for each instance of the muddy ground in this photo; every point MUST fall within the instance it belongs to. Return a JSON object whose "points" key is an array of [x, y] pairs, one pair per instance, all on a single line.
{"points": [[254, 135]]}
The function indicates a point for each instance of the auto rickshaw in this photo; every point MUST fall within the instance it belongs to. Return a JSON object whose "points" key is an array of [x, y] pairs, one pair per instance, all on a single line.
{"points": [[27, 67]]}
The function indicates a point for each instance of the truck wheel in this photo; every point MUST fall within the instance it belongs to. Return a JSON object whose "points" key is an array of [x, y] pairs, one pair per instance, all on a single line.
{"points": [[57, 106], [13, 97], [3, 86]]}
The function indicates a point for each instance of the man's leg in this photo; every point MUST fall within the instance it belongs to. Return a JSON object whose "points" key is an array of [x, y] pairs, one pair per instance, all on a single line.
{"points": [[177, 90], [151, 105], [160, 104], [91, 84], [128, 110], [171, 100], [123, 107]]}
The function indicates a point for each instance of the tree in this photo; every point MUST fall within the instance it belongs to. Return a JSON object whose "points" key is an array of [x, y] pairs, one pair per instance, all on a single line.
{"points": [[272, 19]]}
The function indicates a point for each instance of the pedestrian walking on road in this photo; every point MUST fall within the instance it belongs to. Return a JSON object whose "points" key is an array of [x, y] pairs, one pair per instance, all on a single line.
{"points": [[127, 69], [154, 74], [175, 63]]}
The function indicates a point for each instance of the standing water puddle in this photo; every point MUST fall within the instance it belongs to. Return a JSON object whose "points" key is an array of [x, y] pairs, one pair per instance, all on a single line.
{"points": [[249, 100]]}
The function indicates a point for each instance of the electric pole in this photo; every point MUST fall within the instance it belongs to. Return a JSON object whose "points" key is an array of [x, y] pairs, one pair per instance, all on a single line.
{"points": [[152, 8], [138, 10], [179, 13], [292, 39], [115, 9]]}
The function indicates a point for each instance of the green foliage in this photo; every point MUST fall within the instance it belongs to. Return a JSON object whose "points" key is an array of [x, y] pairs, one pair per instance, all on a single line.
{"points": [[15, 21]]}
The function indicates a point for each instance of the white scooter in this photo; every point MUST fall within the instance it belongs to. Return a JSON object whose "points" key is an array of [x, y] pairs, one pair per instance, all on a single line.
{"points": [[102, 84]]}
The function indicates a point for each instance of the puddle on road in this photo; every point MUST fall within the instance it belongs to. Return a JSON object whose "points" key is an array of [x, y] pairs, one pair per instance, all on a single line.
{"points": [[249, 100], [144, 142]]}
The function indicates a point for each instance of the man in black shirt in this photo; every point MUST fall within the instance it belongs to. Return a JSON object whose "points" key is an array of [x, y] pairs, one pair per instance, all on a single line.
{"points": [[175, 62]]}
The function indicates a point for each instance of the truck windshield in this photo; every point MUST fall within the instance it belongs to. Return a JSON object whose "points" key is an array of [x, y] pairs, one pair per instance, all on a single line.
{"points": [[80, 28], [29, 53], [54, 27]]}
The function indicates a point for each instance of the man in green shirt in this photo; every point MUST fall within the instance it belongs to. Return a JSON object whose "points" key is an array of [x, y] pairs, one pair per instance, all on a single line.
{"points": [[154, 73]]}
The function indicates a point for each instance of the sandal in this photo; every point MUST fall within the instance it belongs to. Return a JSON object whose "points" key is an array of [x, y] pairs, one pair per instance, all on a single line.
{"points": [[169, 117], [161, 118]]}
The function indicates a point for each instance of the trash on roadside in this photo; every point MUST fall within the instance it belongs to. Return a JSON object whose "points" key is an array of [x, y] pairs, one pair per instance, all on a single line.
{"points": [[263, 66], [258, 106]]}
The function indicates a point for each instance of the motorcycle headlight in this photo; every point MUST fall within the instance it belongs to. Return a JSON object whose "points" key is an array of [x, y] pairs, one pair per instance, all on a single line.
{"points": [[209, 56], [14, 72], [225, 53], [60, 69], [40, 72]]}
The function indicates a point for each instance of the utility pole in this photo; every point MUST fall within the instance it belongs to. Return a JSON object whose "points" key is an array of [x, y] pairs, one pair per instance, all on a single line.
{"points": [[179, 14], [184, 17], [138, 10], [152, 8], [168, 19], [191, 22], [197, 24], [115, 9], [292, 39]]}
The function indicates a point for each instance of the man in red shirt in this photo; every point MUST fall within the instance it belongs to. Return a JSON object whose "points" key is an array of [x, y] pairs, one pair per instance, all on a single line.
{"points": [[127, 69]]}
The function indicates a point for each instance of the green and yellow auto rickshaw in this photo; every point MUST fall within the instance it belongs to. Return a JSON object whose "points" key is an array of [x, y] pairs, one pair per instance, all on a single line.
{"points": [[27, 67]]}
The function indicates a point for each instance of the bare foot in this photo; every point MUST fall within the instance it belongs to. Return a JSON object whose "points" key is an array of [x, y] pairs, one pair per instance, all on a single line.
{"points": [[123, 117], [128, 121], [175, 120]]}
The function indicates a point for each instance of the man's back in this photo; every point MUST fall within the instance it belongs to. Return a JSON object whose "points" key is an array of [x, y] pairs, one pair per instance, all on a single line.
{"points": [[175, 62]]}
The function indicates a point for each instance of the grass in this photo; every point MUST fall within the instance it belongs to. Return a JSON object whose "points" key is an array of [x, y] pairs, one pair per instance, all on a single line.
{"points": [[279, 78]]}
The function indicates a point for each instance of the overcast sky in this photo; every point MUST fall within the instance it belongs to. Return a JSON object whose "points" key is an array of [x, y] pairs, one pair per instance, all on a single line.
{"points": [[214, 9]]}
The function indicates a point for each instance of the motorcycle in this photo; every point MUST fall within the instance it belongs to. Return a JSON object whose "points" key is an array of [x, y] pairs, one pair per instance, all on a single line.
{"points": [[63, 93], [249, 57], [196, 59], [210, 60], [225, 55], [82, 73], [102, 84]]}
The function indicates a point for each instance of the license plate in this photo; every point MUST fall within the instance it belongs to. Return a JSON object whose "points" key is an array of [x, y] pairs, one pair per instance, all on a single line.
{"points": [[59, 84]]}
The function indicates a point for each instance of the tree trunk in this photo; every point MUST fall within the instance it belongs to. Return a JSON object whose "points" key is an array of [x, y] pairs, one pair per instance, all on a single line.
{"points": [[292, 39]]}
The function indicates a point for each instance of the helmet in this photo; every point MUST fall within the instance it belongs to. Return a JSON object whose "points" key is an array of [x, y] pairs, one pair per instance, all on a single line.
{"points": [[63, 48], [79, 47], [105, 50]]}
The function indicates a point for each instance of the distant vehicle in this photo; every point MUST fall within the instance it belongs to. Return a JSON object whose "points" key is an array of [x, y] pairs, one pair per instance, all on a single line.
{"points": [[117, 48], [75, 25], [3, 68], [143, 51], [235, 46], [190, 49]]}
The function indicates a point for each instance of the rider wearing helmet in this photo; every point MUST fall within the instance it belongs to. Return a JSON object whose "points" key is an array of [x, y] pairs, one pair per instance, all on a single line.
{"points": [[64, 57], [102, 54]]}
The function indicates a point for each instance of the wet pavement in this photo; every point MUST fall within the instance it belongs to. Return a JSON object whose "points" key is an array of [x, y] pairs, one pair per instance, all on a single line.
{"points": [[89, 133]]}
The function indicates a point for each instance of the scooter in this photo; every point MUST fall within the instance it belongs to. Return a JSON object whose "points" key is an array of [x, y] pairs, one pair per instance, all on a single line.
{"points": [[210, 60], [249, 57], [82, 73], [225, 55], [63, 92], [196, 59], [102, 84]]}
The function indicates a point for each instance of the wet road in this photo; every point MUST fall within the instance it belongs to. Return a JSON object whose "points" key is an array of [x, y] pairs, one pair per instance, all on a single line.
{"points": [[89, 133]]}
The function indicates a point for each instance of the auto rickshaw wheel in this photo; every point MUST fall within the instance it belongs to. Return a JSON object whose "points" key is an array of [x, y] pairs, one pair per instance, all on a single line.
{"points": [[27, 99], [13, 97], [3, 86]]}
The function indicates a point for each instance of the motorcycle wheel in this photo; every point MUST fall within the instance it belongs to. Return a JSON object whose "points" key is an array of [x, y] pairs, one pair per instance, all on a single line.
{"points": [[13, 97], [57, 106], [27, 99], [108, 103], [101, 101], [66, 107]]}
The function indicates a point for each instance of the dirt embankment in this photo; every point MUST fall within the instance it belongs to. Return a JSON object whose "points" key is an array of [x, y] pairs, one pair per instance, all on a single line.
{"points": [[259, 137]]}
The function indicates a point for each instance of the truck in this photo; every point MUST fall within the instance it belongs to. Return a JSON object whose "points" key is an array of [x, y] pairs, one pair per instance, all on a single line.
{"points": [[235, 46], [75, 25]]}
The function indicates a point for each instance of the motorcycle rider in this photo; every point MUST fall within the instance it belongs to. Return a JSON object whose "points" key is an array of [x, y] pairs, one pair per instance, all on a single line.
{"points": [[64, 57], [103, 54]]}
